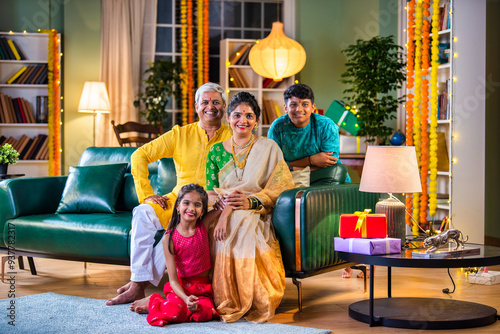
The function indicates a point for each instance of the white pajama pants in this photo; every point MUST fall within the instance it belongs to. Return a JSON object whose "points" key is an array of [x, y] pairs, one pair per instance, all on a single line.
{"points": [[147, 263]]}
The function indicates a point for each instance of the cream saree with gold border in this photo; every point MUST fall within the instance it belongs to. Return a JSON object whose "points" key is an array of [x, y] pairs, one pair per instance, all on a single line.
{"points": [[249, 277]]}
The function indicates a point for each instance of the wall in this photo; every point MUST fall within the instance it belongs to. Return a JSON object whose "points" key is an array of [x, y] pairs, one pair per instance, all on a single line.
{"points": [[325, 27], [492, 223], [82, 45], [31, 15]]}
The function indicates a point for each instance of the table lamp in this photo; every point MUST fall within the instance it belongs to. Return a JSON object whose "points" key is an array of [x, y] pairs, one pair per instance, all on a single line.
{"points": [[391, 169], [94, 100]]}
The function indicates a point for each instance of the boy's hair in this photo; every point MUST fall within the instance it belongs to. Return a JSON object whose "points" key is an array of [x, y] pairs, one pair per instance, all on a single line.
{"points": [[243, 97], [300, 91], [176, 219]]}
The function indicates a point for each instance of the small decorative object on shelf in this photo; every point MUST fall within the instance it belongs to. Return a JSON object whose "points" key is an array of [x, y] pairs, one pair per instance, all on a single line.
{"points": [[397, 139], [433, 243], [8, 156]]}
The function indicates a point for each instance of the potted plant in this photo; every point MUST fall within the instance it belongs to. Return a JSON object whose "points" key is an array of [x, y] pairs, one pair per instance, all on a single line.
{"points": [[8, 156], [375, 70], [162, 83]]}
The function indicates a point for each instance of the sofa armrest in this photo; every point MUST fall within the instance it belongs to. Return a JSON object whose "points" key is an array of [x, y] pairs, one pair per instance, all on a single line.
{"points": [[307, 219], [29, 196]]}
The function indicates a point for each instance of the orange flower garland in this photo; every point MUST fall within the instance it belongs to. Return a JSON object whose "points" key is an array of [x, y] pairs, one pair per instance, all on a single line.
{"points": [[424, 146], [190, 85], [184, 62], [433, 160], [199, 39], [409, 85], [205, 41], [54, 120], [417, 100]]}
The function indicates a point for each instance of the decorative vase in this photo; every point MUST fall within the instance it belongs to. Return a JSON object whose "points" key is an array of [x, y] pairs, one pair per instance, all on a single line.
{"points": [[3, 168]]}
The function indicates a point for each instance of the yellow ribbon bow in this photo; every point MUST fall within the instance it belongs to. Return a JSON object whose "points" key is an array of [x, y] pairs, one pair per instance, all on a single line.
{"points": [[361, 224]]}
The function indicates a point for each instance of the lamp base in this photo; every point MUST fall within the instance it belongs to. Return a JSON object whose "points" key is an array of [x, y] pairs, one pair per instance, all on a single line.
{"points": [[395, 212]]}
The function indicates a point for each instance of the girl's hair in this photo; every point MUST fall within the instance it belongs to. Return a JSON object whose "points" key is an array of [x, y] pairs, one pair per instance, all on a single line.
{"points": [[243, 97], [176, 219]]}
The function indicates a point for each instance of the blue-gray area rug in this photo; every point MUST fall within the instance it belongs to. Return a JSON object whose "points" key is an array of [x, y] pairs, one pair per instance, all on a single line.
{"points": [[54, 313]]}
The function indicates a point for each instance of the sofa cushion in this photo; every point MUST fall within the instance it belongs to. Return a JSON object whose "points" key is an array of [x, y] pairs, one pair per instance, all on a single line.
{"points": [[332, 175], [91, 189], [84, 236]]}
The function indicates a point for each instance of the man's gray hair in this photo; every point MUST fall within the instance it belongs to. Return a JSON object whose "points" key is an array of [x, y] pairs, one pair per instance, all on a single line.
{"points": [[210, 87]]}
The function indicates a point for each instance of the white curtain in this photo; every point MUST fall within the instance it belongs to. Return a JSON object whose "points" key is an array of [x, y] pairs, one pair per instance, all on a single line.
{"points": [[128, 35]]}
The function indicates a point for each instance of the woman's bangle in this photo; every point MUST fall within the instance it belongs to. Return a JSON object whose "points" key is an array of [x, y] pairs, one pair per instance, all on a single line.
{"points": [[253, 203]]}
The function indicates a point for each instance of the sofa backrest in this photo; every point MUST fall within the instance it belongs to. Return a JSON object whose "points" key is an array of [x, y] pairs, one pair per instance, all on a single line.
{"points": [[161, 173], [332, 175]]}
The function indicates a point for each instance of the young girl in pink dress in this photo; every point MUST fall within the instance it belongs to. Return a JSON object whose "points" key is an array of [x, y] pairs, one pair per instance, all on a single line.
{"points": [[189, 295]]}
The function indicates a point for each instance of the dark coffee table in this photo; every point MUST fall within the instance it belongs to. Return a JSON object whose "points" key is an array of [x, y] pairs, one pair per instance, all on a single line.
{"points": [[422, 313]]}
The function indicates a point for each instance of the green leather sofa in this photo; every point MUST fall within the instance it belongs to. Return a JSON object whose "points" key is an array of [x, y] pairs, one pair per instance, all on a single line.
{"points": [[306, 220]]}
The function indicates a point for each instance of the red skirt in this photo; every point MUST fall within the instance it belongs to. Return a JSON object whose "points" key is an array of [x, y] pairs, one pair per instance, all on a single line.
{"points": [[172, 309]]}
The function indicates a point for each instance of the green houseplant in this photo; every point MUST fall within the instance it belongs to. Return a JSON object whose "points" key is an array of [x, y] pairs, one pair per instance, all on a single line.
{"points": [[163, 82], [375, 70], [8, 156]]}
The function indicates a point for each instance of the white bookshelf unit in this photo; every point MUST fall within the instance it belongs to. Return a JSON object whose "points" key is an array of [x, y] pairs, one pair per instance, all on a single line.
{"points": [[35, 48], [255, 82]]}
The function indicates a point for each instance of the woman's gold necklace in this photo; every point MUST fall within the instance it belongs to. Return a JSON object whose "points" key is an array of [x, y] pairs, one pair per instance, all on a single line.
{"points": [[241, 165], [241, 147]]}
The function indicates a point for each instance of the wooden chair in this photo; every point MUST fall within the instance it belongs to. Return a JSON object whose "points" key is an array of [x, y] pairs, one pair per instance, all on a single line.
{"points": [[137, 134]]}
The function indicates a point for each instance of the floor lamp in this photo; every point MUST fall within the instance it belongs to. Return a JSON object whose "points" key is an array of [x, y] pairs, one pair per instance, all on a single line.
{"points": [[391, 169], [94, 100]]}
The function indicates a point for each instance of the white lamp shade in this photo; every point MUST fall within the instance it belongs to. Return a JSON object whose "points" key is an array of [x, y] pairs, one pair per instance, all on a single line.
{"points": [[390, 169], [277, 56], [94, 98]]}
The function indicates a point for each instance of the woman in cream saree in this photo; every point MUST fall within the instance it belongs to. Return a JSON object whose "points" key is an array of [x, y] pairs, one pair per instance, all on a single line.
{"points": [[249, 278]]}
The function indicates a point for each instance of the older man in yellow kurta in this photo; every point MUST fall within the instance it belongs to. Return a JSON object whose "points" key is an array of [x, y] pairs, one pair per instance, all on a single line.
{"points": [[188, 146]]}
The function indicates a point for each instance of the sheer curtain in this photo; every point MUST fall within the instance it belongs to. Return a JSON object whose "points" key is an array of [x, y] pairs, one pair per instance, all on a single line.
{"points": [[128, 29]]}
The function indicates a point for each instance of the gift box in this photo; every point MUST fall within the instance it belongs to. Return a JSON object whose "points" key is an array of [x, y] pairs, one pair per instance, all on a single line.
{"points": [[377, 246], [343, 117], [363, 225], [352, 144]]}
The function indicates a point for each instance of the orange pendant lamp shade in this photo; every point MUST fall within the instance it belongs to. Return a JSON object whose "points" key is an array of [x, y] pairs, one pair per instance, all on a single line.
{"points": [[277, 56]]}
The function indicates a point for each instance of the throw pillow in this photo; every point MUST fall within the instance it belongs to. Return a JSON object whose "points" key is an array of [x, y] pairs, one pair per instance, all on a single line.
{"points": [[91, 189]]}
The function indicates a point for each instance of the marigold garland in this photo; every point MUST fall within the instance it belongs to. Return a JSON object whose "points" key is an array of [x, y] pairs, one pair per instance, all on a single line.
{"points": [[199, 39], [409, 85], [190, 77], [54, 120], [433, 160], [424, 145], [205, 41], [417, 100], [184, 62]]}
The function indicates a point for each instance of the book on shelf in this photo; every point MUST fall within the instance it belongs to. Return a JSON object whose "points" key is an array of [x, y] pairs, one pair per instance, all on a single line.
{"points": [[19, 116], [233, 80], [240, 80], [444, 17], [268, 111], [22, 155], [17, 74], [244, 57], [29, 152], [28, 111], [6, 49], [30, 74], [23, 141], [19, 50], [39, 152], [42, 78], [22, 78], [2, 139], [14, 50], [443, 163], [40, 69], [235, 57]]}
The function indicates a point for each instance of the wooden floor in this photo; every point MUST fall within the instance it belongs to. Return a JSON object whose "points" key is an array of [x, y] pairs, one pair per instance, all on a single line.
{"points": [[326, 297]]}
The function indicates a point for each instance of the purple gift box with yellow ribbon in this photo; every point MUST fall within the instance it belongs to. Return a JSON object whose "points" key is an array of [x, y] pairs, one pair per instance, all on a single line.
{"points": [[368, 246], [363, 225]]}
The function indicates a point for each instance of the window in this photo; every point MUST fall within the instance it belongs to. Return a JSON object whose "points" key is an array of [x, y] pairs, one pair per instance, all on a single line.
{"points": [[250, 19]]}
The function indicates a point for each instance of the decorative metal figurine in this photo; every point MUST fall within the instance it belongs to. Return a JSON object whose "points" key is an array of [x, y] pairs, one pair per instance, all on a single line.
{"points": [[433, 243]]}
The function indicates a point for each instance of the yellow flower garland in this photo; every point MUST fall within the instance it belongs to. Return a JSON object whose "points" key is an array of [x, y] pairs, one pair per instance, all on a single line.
{"points": [[53, 91], [434, 109], [417, 100]]}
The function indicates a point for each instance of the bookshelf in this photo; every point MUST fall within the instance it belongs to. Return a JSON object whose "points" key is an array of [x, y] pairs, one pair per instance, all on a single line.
{"points": [[236, 75], [34, 46], [463, 80]]}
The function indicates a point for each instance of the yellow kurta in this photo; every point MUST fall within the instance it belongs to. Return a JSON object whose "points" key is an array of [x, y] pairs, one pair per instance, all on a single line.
{"points": [[188, 146], [249, 277]]}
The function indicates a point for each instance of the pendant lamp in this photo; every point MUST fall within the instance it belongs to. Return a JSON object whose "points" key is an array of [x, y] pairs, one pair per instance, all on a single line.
{"points": [[277, 56]]}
